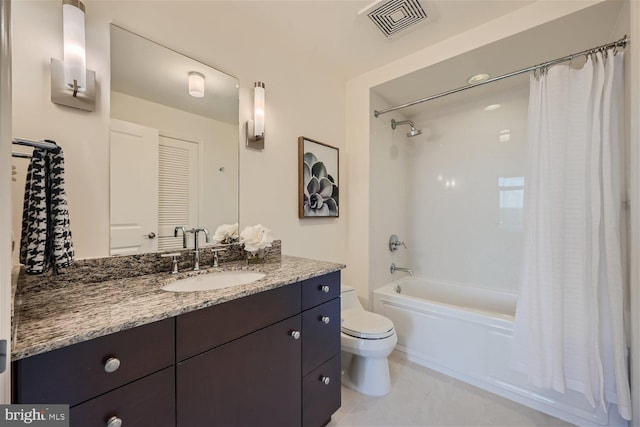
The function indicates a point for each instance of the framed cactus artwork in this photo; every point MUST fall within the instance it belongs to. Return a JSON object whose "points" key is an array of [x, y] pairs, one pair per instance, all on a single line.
{"points": [[318, 183]]}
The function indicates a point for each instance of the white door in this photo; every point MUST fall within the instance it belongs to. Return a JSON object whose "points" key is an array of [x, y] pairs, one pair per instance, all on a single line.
{"points": [[177, 189], [134, 188]]}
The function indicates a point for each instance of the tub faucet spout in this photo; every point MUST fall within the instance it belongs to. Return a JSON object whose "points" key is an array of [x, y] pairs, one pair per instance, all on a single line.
{"points": [[393, 269]]}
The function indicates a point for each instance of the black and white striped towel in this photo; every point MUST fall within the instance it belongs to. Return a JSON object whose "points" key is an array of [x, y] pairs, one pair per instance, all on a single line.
{"points": [[46, 234]]}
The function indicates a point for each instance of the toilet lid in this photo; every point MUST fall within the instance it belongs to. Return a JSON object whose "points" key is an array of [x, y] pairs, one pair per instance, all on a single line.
{"points": [[364, 324]]}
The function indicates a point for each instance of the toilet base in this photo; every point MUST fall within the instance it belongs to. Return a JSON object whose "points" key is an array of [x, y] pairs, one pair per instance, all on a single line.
{"points": [[367, 375]]}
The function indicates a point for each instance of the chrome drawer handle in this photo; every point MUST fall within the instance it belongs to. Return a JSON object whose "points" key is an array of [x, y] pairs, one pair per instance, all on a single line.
{"points": [[295, 334], [325, 320], [325, 289], [325, 380], [111, 365], [114, 422]]}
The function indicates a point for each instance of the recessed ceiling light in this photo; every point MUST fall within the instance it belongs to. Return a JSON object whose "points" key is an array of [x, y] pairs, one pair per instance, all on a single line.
{"points": [[478, 78], [491, 107]]}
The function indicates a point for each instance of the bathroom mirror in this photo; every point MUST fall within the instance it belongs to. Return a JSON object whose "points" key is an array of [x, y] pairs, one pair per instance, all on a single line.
{"points": [[173, 145]]}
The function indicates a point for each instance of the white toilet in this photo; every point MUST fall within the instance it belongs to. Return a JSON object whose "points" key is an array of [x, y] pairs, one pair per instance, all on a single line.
{"points": [[367, 339]]}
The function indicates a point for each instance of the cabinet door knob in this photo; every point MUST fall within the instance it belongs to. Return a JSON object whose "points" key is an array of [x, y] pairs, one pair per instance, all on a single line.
{"points": [[111, 365], [325, 320], [295, 334], [114, 422], [325, 380], [325, 289]]}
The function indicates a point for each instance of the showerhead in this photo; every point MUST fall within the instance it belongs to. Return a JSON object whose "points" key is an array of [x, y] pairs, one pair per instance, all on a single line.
{"points": [[413, 132]]}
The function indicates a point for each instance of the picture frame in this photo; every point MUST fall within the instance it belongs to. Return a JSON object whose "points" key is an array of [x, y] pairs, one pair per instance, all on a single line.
{"points": [[318, 179]]}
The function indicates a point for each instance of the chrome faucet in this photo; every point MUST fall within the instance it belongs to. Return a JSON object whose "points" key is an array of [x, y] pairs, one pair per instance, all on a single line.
{"points": [[184, 235], [196, 249], [393, 269]]}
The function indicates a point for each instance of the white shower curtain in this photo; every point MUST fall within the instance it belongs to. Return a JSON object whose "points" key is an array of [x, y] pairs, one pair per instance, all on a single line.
{"points": [[569, 331]]}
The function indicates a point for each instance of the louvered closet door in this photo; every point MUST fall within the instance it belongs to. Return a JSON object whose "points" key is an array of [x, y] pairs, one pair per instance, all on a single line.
{"points": [[177, 189]]}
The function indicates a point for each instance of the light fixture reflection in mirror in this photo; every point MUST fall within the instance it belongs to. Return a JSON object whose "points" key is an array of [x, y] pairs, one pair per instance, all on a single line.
{"points": [[168, 149], [196, 84]]}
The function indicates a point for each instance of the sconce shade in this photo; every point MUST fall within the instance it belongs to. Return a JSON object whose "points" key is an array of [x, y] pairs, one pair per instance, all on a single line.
{"points": [[196, 84], [255, 126], [75, 58], [258, 109]]}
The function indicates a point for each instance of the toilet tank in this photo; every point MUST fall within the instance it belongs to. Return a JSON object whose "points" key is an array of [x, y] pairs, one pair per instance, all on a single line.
{"points": [[348, 298]]}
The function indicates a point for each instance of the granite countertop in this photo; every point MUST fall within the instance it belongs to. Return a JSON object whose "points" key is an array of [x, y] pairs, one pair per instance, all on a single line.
{"points": [[48, 318]]}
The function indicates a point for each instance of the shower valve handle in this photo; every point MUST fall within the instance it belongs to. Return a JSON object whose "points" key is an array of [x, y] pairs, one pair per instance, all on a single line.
{"points": [[395, 243]]}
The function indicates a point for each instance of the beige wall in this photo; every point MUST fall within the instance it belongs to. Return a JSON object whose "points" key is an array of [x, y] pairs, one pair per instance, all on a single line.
{"points": [[37, 36], [303, 98]]}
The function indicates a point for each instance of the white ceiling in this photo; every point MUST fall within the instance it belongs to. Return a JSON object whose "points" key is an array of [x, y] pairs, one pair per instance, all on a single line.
{"points": [[330, 33], [350, 42]]}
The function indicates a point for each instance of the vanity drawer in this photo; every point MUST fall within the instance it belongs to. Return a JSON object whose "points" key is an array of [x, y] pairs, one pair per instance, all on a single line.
{"points": [[77, 373], [320, 289], [149, 401], [202, 330], [321, 334], [319, 399]]}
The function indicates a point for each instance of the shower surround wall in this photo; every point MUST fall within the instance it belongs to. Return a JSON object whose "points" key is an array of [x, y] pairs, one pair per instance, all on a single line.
{"points": [[458, 195], [389, 182]]}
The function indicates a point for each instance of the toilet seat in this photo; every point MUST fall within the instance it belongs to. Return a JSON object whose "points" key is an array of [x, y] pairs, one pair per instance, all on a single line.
{"points": [[365, 325]]}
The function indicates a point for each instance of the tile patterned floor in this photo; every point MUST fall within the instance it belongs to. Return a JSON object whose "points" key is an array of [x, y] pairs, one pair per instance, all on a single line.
{"points": [[421, 397]]}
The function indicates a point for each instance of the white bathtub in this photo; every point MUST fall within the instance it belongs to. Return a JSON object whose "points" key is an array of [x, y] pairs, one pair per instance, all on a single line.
{"points": [[465, 332]]}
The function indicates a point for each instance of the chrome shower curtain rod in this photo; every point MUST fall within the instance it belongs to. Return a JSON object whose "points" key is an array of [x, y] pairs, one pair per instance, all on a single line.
{"points": [[620, 43]]}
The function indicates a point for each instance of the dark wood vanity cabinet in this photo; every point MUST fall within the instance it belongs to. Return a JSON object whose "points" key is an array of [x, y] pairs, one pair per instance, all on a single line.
{"points": [[242, 376], [320, 349], [285, 373], [268, 359]]}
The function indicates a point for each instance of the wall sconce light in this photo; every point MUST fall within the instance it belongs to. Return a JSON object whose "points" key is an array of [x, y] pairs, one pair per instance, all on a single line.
{"points": [[255, 127], [71, 83], [196, 84]]}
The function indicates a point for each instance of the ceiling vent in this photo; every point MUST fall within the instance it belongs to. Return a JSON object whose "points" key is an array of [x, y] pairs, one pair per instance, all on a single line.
{"points": [[393, 17]]}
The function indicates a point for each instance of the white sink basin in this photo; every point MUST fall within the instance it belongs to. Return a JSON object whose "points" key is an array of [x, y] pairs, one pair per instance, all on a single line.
{"points": [[211, 281]]}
